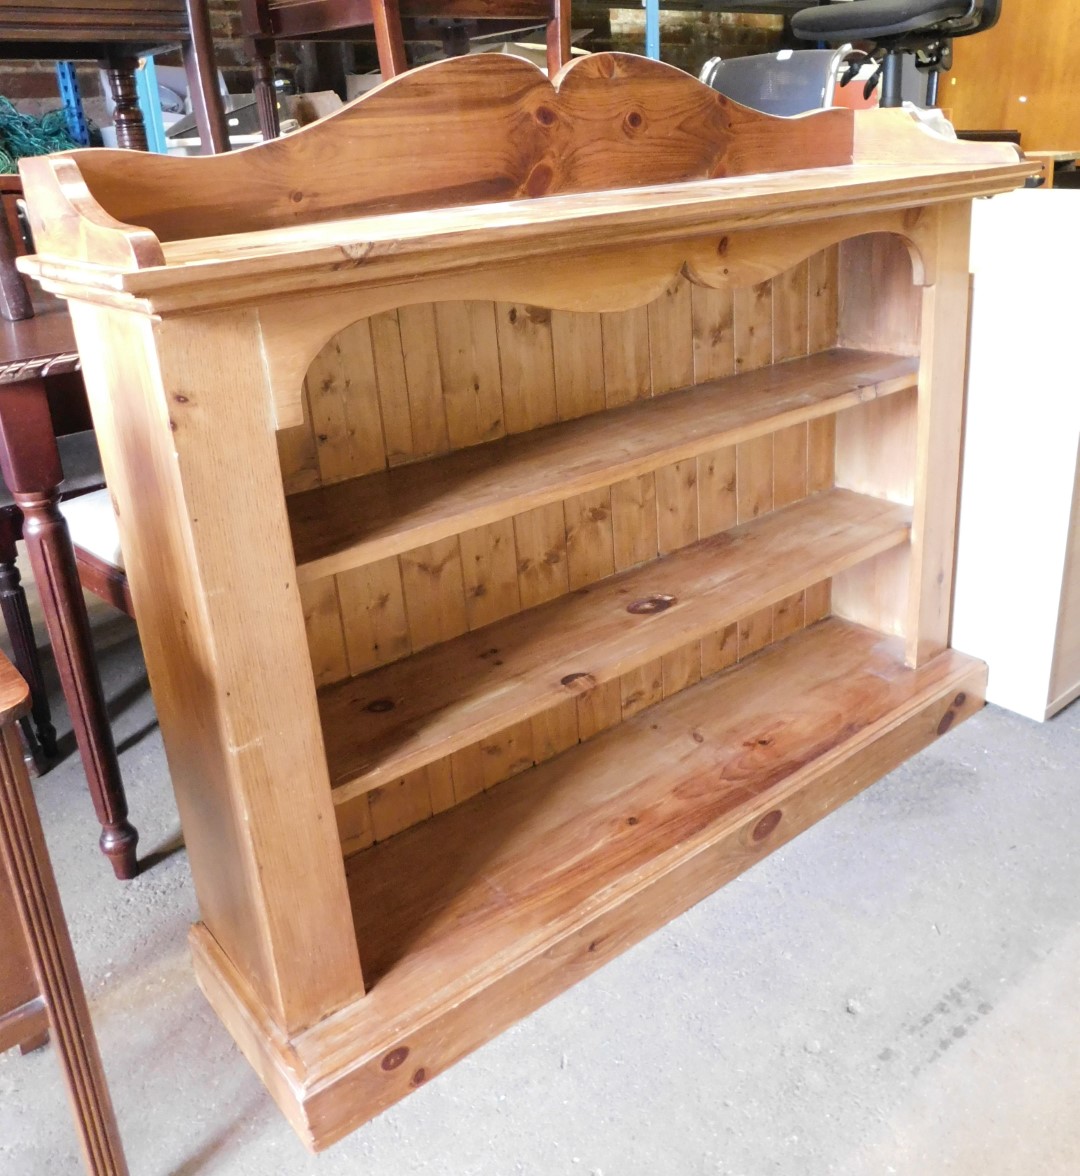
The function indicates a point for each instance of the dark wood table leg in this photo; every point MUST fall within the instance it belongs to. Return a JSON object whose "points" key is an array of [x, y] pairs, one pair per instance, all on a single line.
{"points": [[24, 857], [31, 468], [203, 82], [127, 117]]}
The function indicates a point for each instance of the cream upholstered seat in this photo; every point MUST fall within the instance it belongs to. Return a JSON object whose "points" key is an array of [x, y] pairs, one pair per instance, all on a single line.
{"points": [[92, 524]]}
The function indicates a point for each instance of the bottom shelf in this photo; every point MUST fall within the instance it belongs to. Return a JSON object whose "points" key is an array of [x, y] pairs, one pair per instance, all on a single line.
{"points": [[471, 920]]}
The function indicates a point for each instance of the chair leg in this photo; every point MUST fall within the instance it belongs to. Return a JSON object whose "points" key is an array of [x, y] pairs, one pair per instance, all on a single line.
{"points": [[31, 468], [24, 651], [202, 81], [262, 66], [388, 38], [53, 561], [558, 37]]}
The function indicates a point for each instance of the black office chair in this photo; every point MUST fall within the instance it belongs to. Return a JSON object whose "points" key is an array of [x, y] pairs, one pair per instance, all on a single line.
{"points": [[922, 27]]}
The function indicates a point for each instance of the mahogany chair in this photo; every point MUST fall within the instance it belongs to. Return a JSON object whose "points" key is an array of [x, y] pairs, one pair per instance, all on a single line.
{"points": [[265, 22], [48, 455]]}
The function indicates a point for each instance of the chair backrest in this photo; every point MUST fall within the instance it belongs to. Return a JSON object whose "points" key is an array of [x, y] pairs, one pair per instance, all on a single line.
{"points": [[990, 11], [786, 83], [895, 22]]}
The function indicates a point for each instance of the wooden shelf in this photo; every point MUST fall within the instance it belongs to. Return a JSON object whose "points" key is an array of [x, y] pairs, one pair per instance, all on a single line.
{"points": [[399, 717], [357, 522], [540, 873]]}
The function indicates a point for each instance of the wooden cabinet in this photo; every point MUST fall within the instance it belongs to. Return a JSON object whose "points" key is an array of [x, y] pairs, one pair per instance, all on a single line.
{"points": [[527, 534]]}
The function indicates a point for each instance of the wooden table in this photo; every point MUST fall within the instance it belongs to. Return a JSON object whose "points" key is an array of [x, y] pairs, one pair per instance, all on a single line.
{"points": [[116, 32], [528, 531], [1053, 162], [39, 388], [40, 989]]}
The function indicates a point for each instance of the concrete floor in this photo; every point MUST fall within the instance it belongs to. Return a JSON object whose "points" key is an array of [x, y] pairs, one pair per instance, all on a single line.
{"points": [[895, 992]]}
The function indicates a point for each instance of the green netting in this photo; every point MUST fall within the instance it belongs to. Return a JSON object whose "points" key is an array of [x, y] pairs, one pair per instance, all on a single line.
{"points": [[24, 134]]}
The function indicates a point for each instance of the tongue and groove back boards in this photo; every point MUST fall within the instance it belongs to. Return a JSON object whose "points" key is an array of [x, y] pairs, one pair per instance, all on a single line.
{"points": [[205, 291], [375, 388]]}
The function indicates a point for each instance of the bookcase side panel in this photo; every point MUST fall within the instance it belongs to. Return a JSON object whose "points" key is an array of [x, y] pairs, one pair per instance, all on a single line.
{"points": [[214, 587]]}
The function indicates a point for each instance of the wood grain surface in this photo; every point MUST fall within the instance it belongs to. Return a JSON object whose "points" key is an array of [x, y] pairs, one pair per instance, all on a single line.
{"points": [[479, 916], [393, 720], [479, 129], [362, 520]]}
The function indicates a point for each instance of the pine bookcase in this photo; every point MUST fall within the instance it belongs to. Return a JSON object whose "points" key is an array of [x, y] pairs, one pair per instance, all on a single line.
{"points": [[538, 503]]}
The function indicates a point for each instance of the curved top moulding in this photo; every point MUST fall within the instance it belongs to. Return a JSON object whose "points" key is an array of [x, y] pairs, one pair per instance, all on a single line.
{"points": [[473, 162], [469, 130]]}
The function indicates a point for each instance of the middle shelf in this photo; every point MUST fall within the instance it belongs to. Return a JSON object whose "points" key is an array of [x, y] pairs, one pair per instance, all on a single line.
{"points": [[352, 523], [400, 717]]}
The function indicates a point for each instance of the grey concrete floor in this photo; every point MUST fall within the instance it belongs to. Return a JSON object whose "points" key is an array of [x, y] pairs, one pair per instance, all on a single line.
{"points": [[894, 992]]}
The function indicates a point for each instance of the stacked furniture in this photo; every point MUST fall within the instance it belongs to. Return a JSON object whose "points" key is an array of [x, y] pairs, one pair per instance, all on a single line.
{"points": [[117, 33], [266, 22], [528, 532]]}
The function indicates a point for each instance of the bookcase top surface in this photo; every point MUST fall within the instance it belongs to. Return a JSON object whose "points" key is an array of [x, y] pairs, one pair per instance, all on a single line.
{"points": [[479, 161]]}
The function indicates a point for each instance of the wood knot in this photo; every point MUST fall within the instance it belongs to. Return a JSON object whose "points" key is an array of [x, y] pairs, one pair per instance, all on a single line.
{"points": [[380, 706], [581, 680], [395, 1057], [960, 699], [419, 1077], [722, 247], [766, 825], [647, 605], [545, 116], [539, 180], [947, 720], [296, 196], [634, 120]]}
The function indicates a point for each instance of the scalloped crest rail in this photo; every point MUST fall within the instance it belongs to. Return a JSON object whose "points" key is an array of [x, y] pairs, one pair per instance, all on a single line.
{"points": [[574, 490]]}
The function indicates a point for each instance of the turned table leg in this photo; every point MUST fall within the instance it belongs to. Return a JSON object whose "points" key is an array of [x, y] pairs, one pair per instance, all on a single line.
{"points": [[24, 856], [262, 67], [127, 117], [32, 471]]}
